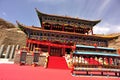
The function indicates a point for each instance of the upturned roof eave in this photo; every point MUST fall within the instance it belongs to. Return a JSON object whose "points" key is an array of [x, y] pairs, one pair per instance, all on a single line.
{"points": [[21, 26], [40, 14]]}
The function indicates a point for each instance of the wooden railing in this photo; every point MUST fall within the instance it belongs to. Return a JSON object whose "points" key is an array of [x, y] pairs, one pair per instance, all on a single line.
{"points": [[96, 66], [91, 69]]}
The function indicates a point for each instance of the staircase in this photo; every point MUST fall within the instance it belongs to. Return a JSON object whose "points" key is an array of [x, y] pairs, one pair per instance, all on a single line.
{"points": [[57, 62]]}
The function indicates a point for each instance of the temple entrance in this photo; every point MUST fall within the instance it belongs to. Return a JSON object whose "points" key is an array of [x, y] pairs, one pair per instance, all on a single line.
{"points": [[55, 51]]}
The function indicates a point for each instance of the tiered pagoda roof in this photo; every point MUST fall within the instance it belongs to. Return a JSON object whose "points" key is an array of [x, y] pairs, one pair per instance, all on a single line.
{"points": [[33, 28], [65, 20]]}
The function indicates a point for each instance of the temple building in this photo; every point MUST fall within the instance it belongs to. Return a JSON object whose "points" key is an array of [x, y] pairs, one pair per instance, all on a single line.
{"points": [[58, 35]]}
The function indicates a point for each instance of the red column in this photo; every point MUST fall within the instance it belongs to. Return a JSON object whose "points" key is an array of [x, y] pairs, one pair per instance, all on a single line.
{"points": [[49, 49], [32, 46], [63, 51], [27, 42]]}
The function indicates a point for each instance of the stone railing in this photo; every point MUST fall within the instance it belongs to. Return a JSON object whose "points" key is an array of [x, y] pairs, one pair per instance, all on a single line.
{"points": [[8, 52]]}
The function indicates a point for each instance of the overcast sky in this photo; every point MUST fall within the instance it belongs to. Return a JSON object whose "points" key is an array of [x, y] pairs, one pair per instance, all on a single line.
{"points": [[24, 11]]}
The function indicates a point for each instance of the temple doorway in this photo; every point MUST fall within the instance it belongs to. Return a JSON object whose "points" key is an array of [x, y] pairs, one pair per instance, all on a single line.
{"points": [[54, 51]]}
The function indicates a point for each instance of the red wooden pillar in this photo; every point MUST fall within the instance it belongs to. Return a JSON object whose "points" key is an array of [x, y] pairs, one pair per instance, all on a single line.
{"points": [[63, 51], [27, 42], [32, 46], [49, 49]]}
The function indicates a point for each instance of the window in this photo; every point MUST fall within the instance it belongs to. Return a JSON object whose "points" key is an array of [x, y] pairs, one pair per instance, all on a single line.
{"points": [[68, 22], [40, 34]]}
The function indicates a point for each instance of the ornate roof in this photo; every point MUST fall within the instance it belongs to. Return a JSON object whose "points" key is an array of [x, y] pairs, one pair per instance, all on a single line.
{"points": [[92, 47], [65, 20], [97, 54], [33, 28]]}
